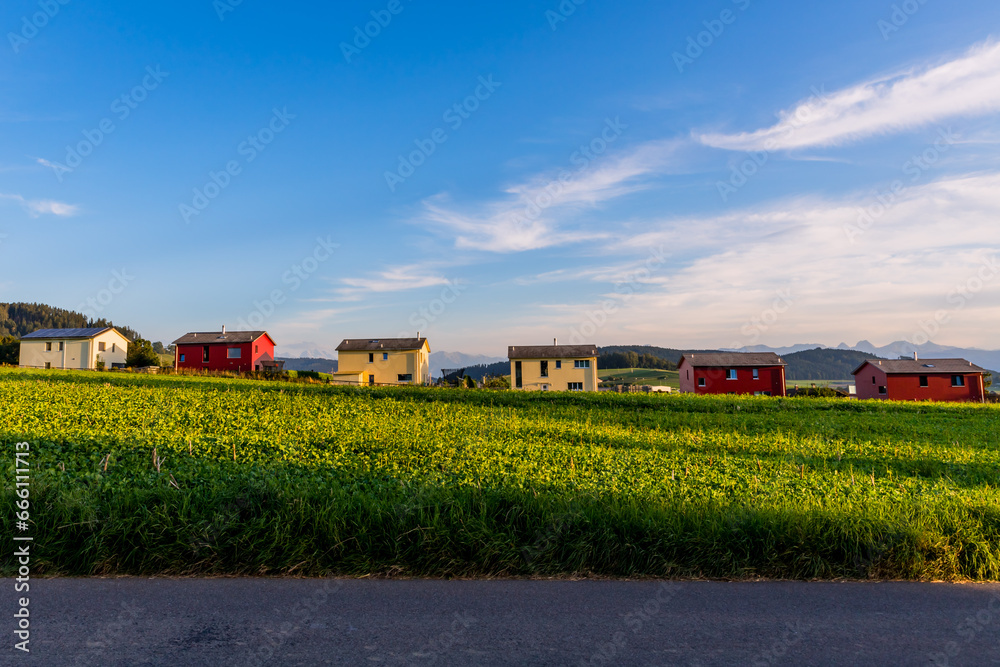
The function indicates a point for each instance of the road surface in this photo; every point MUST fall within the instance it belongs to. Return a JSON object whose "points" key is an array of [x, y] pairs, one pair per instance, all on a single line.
{"points": [[250, 622]]}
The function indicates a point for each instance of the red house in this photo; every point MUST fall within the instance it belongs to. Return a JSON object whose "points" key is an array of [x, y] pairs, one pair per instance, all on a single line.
{"points": [[757, 373], [921, 380], [237, 351]]}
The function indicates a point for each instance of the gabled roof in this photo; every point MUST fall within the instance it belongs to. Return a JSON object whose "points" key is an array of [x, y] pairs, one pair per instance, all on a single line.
{"points": [[552, 352], [381, 344], [220, 338], [922, 366], [732, 359], [68, 333]]}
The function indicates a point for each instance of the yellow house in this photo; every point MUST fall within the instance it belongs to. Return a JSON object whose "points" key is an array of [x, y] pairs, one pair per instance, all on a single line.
{"points": [[553, 367], [386, 361], [80, 349]]}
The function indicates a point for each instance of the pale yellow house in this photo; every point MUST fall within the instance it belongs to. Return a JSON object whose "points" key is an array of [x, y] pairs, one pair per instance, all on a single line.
{"points": [[553, 367], [386, 361], [79, 349]]}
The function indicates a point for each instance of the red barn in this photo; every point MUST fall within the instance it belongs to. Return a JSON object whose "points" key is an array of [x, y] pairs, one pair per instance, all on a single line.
{"points": [[757, 373], [921, 380], [236, 351]]}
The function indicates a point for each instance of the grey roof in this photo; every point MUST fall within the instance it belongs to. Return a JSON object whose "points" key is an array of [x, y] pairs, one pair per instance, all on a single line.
{"points": [[219, 338], [551, 351], [733, 359], [67, 333], [381, 344], [921, 366]]}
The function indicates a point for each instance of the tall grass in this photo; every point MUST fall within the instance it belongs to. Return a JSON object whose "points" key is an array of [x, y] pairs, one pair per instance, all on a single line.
{"points": [[404, 482]]}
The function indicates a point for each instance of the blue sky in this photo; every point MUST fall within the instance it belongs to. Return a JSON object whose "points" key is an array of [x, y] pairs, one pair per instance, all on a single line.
{"points": [[682, 174]]}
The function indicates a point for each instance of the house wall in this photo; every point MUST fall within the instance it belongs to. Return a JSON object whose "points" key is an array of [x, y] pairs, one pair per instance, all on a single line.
{"points": [[771, 380], [262, 348], [387, 371], [77, 353], [558, 378], [907, 387], [218, 357], [867, 381]]}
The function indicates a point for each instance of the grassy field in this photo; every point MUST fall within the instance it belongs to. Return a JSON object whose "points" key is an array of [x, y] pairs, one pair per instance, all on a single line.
{"points": [[641, 376], [190, 475]]}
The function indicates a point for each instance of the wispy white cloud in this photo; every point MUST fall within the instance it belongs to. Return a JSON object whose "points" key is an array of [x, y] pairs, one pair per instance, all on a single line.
{"points": [[39, 207], [398, 279], [538, 213], [966, 86]]}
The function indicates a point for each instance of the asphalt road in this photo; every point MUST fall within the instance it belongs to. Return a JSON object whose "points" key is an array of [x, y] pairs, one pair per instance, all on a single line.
{"points": [[250, 622]]}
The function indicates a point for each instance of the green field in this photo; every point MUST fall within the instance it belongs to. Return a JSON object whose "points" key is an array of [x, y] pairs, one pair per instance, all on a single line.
{"points": [[641, 376], [180, 475]]}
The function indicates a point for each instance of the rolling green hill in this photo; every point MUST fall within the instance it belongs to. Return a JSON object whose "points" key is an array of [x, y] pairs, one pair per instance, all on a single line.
{"points": [[20, 319]]}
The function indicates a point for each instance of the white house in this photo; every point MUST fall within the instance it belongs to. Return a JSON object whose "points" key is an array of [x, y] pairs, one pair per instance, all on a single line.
{"points": [[80, 349]]}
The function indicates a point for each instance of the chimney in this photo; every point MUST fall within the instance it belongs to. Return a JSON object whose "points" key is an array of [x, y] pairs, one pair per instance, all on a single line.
{"points": [[223, 329], [418, 334], [555, 341], [916, 356]]}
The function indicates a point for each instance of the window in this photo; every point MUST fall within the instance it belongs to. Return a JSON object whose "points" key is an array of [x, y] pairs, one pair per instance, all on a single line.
{"points": [[114, 347], [182, 358], [576, 386], [545, 369], [102, 347], [731, 374], [371, 357], [234, 353], [48, 365], [204, 354], [256, 349], [923, 381], [701, 382], [385, 356], [558, 364], [581, 363], [61, 348], [883, 391], [48, 347], [957, 380], [408, 377], [873, 380], [518, 382], [756, 374], [689, 374]]}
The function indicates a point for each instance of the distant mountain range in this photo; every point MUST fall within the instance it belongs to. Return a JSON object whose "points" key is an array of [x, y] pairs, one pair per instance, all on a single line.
{"points": [[438, 360], [989, 359]]}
